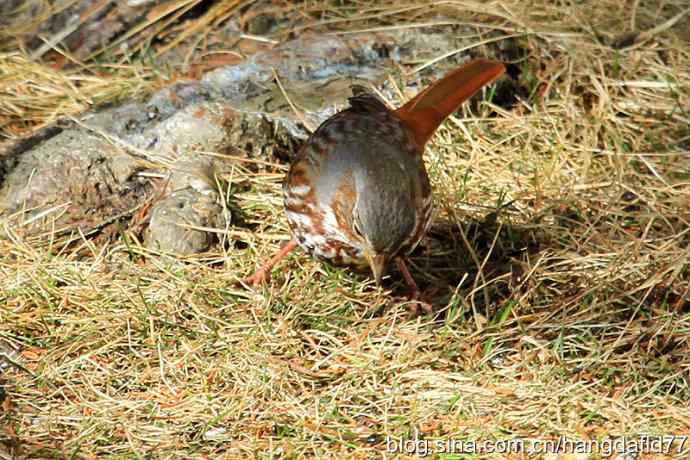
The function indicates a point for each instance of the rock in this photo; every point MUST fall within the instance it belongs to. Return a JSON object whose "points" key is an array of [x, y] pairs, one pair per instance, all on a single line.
{"points": [[260, 24], [81, 27], [197, 174], [200, 126], [95, 166], [78, 169], [167, 231], [192, 199]]}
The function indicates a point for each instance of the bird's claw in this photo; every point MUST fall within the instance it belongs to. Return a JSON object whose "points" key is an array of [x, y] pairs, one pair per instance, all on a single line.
{"points": [[263, 274], [416, 304], [257, 279]]}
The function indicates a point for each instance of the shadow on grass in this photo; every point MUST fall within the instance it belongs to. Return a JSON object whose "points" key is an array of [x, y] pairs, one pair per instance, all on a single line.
{"points": [[485, 272]]}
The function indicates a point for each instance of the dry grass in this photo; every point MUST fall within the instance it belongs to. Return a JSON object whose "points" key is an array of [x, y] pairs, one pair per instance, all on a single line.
{"points": [[566, 312]]}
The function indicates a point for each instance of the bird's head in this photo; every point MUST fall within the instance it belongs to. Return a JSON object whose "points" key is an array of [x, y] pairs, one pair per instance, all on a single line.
{"points": [[377, 247]]}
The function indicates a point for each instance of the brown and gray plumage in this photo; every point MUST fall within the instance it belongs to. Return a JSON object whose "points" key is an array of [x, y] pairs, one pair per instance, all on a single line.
{"points": [[358, 192]]}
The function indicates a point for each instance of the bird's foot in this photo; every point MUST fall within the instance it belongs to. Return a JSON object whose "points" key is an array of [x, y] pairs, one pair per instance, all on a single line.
{"points": [[259, 277], [417, 306], [263, 274]]}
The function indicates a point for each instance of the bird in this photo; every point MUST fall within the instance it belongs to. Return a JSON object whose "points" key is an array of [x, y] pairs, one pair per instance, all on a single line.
{"points": [[357, 192]]}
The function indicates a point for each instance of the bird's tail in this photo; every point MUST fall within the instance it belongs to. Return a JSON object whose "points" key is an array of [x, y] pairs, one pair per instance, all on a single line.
{"points": [[427, 110]]}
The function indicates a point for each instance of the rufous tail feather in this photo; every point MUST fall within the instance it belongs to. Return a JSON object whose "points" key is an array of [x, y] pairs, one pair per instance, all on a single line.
{"points": [[427, 110]]}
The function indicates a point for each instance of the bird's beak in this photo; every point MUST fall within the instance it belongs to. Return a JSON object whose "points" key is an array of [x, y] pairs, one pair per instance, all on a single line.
{"points": [[378, 263]]}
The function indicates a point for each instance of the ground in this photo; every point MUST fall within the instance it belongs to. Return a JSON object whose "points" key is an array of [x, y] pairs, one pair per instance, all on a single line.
{"points": [[557, 268]]}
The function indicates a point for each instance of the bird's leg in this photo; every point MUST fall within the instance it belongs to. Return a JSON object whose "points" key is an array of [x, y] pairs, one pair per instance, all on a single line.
{"points": [[263, 274], [415, 293]]}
